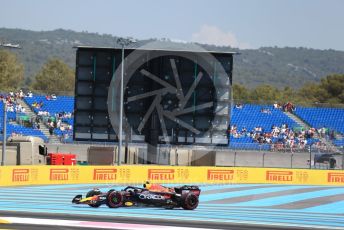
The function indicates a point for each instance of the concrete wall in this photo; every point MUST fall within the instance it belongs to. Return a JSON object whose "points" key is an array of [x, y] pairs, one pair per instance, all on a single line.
{"points": [[186, 156], [270, 159]]}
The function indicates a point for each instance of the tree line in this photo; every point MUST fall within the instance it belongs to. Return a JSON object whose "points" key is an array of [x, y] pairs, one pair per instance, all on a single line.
{"points": [[282, 66], [330, 90], [55, 76]]}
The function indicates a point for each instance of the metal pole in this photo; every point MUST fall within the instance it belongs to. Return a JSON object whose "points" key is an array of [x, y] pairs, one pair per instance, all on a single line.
{"points": [[4, 136], [231, 93], [176, 157], [310, 156], [121, 110]]}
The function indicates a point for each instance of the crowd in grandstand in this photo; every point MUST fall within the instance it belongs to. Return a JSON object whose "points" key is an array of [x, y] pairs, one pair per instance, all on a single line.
{"points": [[59, 120], [11, 102], [58, 123], [281, 137], [56, 113]]}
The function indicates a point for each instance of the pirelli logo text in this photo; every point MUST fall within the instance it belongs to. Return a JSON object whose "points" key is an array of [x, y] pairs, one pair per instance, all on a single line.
{"points": [[160, 174], [104, 174], [279, 175], [220, 175], [20, 175], [59, 174], [335, 177]]}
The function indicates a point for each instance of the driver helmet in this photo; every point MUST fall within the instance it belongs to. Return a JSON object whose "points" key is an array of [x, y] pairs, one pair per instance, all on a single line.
{"points": [[147, 185]]}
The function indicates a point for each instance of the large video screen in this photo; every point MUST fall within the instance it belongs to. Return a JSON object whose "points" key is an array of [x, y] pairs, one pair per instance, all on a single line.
{"points": [[176, 97]]}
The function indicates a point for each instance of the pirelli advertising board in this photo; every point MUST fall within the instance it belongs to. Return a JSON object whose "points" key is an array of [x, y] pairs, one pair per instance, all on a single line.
{"points": [[36, 175]]}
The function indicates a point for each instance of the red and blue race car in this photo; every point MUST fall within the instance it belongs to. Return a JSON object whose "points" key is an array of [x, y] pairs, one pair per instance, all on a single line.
{"points": [[186, 197]]}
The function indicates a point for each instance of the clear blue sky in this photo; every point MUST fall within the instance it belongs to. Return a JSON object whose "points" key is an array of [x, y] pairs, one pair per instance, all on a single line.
{"points": [[243, 23]]}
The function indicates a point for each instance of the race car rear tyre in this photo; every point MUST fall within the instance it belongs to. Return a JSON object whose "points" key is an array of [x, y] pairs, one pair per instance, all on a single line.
{"points": [[94, 193], [114, 199], [189, 201]]}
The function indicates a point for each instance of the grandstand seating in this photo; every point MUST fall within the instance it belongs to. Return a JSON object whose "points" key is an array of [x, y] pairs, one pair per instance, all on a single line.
{"points": [[61, 104], [25, 131], [332, 118], [18, 129], [69, 121], [339, 143], [10, 115], [61, 134], [249, 117]]}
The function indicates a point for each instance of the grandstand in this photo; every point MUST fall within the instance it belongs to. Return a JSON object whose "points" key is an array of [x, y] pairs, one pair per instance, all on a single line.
{"points": [[51, 104], [263, 127], [54, 108], [325, 119], [332, 118], [16, 129], [246, 119]]}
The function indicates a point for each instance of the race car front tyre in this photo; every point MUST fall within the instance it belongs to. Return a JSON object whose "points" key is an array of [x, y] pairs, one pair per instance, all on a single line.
{"points": [[94, 193], [189, 201], [114, 199]]}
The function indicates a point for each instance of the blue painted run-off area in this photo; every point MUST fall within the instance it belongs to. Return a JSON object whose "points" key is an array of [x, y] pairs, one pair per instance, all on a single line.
{"points": [[256, 208]]}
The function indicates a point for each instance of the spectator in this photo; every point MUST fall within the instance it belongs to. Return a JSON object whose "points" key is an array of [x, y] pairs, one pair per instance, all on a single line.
{"points": [[265, 110], [289, 107], [277, 105], [58, 124], [29, 94], [239, 106], [332, 135], [21, 94], [51, 130]]}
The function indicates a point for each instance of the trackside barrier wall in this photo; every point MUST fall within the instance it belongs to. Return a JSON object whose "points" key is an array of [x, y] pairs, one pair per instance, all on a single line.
{"points": [[40, 175]]}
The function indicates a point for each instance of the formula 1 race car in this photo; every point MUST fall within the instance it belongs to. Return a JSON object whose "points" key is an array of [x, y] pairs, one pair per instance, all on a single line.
{"points": [[150, 195]]}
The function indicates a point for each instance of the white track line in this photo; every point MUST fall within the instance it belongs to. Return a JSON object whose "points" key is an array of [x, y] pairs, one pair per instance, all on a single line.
{"points": [[91, 224]]}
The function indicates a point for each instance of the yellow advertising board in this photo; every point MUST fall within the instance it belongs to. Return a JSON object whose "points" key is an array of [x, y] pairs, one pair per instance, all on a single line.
{"points": [[133, 174]]}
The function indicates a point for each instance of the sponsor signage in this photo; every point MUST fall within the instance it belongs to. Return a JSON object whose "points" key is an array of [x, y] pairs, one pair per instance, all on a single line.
{"points": [[334, 177], [20, 175], [104, 174], [59, 174], [221, 175], [279, 175], [160, 174], [39, 175]]}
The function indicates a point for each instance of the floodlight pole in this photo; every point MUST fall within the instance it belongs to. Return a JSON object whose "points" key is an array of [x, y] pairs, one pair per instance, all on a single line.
{"points": [[3, 159], [123, 42], [121, 110]]}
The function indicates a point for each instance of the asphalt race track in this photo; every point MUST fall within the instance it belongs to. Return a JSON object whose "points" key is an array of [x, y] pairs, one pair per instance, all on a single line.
{"points": [[236, 206]]}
